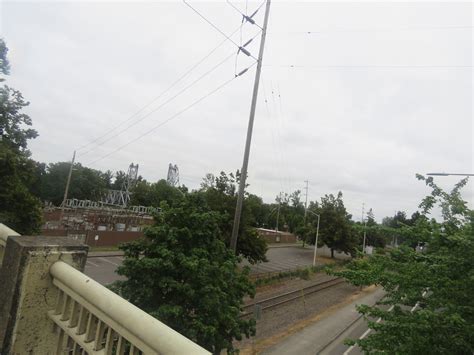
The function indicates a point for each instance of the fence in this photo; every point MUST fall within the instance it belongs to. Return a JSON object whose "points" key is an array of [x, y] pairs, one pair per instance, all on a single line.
{"points": [[50, 307]]}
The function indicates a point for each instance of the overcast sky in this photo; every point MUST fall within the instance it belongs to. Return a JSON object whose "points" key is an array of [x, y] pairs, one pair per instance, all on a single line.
{"points": [[356, 97]]}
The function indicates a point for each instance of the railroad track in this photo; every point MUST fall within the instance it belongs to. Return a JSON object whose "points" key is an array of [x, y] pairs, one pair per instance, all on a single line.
{"points": [[273, 302]]}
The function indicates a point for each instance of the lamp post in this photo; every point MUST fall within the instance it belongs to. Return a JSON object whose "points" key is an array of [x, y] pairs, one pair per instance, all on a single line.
{"points": [[448, 174], [316, 242], [365, 230]]}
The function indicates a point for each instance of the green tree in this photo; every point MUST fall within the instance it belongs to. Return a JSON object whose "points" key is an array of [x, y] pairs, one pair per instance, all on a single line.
{"points": [[19, 208], [221, 196], [291, 216], [334, 227], [86, 183], [146, 194], [183, 274], [430, 293]]}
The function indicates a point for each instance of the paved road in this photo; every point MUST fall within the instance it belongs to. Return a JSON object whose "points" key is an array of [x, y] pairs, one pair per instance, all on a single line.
{"points": [[102, 269], [330, 329]]}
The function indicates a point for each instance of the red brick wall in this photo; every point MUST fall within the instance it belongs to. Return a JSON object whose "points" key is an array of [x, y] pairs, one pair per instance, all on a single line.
{"points": [[111, 238], [271, 237], [106, 238]]}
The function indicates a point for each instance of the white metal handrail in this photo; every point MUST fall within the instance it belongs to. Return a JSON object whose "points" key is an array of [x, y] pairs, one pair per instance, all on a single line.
{"points": [[93, 319]]}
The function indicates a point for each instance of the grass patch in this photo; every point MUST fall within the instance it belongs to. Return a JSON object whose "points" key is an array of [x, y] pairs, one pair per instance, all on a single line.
{"points": [[302, 273]]}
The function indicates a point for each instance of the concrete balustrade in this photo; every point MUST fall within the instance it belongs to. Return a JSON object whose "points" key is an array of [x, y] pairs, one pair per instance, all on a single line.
{"points": [[97, 319], [5, 232], [28, 291], [48, 306]]}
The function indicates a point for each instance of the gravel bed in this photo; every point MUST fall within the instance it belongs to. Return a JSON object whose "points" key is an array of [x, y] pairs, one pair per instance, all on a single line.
{"points": [[275, 320]]}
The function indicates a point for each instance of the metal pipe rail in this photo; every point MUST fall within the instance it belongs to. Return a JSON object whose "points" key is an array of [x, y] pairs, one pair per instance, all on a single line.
{"points": [[95, 320]]}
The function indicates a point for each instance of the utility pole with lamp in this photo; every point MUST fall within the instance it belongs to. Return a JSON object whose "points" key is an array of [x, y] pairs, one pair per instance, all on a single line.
{"points": [[243, 176]]}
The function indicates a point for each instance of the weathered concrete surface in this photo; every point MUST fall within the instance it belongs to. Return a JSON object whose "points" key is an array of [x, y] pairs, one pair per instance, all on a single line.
{"points": [[28, 291]]}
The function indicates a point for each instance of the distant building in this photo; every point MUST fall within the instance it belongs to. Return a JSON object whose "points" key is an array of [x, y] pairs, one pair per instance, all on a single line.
{"points": [[96, 226], [273, 236]]}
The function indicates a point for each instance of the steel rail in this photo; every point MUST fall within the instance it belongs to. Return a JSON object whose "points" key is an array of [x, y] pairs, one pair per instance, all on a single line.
{"points": [[276, 300]]}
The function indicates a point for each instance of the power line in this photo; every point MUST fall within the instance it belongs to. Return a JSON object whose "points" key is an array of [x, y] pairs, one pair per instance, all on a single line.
{"points": [[216, 28], [244, 16], [277, 160], [358, 30], [372, 66], [163, 104], [199, 62], [221, 86]]}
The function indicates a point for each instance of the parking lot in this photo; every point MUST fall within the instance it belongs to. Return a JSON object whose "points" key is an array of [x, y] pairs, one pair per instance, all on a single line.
{"points": [[102, 268]]}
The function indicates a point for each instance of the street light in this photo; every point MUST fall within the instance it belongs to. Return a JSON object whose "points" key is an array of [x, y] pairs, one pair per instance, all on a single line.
{"points": [[316, 242], [447, 174]]}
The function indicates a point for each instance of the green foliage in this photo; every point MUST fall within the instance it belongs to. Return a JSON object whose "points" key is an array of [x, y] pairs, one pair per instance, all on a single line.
{"points": [[220, 195], [431, 292], [19, 208], [4, 64], [376, 235], [335, 228], [153, 194], [303, 273], [291, 216], [86, 183], [14, 124], [187, 277]]}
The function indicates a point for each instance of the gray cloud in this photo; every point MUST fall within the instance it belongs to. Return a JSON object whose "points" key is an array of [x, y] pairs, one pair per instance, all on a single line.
{"points": [[384, 92]]}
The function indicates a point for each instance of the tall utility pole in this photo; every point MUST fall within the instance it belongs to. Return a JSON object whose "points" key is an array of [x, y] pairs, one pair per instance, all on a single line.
{"points": [[243, 175], [278, 213], [362, 222], [67, 186], [363, 243], [306, 202]]}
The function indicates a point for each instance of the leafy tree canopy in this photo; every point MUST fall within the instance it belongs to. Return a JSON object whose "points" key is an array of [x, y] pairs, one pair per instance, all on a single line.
{"points": [[187, 277], [335, 228], [221, 196], [430, 291], [86, 183], [19, 208]]}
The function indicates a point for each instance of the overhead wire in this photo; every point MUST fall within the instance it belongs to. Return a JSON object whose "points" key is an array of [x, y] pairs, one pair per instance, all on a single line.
{"points": [[215, 27], [290, 180], [174, 116], [279, 126], [278, 166], [359, 30], [298, 66], [162, 104], [184, 75], [227, 38], [245, 16]]}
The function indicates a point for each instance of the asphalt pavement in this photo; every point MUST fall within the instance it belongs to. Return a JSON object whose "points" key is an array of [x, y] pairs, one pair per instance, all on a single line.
{"points": [[101, 266]]}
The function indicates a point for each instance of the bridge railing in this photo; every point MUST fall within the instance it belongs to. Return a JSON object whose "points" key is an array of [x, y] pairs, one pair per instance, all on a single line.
{"points": [[48, 306], [5, 232], [93, 318]]}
